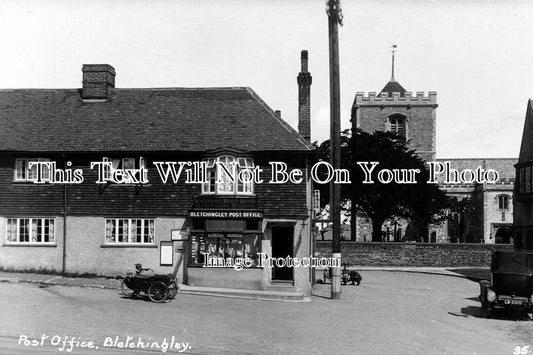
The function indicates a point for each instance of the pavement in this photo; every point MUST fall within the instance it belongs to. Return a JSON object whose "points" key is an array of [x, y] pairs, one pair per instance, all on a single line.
{"points": [[471, 273]]}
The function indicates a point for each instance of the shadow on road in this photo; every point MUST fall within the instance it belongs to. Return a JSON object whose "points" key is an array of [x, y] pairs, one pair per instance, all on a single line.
{"points": [[472, 298], [143, 298], [497, 314], [473, 311], [473, 274]]}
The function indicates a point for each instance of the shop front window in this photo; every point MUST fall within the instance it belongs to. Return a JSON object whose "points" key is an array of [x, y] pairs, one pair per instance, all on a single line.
{"points": [[227, 239]]}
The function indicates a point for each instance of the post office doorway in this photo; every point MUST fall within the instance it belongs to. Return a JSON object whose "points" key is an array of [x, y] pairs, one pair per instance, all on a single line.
{"points": [[282, 246]]}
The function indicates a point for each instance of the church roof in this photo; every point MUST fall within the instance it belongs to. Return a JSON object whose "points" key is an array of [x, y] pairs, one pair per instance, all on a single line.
{"points": [[393, 86]]}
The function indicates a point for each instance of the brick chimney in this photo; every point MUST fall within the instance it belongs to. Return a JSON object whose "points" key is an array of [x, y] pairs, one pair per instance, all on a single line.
{"points": [[304, 99], [98, 81]]}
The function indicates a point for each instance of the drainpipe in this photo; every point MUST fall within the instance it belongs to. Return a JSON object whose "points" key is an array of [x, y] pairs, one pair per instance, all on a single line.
{"points": [[312, 244], [64, 219]]}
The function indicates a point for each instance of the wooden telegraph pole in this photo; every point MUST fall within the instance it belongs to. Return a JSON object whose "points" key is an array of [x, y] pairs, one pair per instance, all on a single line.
{"points": [[334, 19]]}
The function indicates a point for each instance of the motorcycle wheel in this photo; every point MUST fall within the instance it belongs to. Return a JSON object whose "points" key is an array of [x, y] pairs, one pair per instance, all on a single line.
{"points": [[125, 290], [158, 292], [172, 289]]}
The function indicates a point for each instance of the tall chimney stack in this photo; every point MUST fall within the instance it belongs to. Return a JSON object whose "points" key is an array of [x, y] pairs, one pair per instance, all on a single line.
{"points": [[304, 99], [98, 81]]}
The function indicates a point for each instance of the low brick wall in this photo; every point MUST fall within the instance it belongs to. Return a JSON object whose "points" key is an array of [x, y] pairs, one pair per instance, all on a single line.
{"points": [[413, 254]]}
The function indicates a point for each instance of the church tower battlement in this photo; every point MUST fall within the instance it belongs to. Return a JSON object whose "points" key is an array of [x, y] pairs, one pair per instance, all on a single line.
{"points": [[383, 98]]}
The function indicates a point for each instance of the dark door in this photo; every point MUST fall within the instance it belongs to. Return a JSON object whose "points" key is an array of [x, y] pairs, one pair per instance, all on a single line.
{"points": [[282, 241]]}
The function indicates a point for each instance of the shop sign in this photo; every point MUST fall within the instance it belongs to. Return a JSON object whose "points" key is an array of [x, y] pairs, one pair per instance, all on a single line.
{"points": [[226, 214], [177, 234]]}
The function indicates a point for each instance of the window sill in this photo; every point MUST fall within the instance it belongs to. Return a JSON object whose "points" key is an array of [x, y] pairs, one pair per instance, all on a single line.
{"points": [[201, 266], [29, 245], [28, 182], [229, 194], [128, 246], [110, 183]]}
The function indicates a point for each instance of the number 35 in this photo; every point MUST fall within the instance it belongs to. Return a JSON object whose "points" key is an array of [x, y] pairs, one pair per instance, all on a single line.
{"points": [[521, 350]]}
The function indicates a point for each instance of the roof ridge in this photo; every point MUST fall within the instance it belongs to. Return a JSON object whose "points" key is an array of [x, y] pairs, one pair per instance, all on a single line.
{"points": [[37, 89], [228, 88]]}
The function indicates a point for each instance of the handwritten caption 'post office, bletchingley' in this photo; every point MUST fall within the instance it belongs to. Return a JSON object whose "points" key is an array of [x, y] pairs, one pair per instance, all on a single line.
{"points": [[70, 343], [199, 172]]}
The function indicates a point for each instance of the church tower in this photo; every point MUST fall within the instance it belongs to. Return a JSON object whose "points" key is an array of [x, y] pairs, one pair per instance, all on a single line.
{"points": [[394, 109]]}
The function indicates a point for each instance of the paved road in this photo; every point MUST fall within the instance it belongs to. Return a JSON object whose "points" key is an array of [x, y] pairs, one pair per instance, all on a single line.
{"points": [[390, 313]]}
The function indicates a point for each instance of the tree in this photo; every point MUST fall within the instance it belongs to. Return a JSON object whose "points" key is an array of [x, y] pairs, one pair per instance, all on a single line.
{"points": [[382, 199]]}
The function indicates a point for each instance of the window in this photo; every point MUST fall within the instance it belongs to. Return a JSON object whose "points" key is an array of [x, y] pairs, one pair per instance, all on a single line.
{"points": [[525, 179], [107, 168], [24, 173], [225, 238], [30, 230], [129, 231], [503, 202], [225, 245], [228, 175], [398, 125], [124, 164]]}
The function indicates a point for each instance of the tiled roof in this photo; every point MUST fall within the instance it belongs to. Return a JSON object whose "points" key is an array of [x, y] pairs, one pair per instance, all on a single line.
{"points": [[526, 147], [173, 119], [504, 166], [393, 86]]}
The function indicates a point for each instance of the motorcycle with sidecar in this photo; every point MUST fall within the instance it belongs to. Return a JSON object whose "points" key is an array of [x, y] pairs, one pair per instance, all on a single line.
{"points": [[158, 287]]}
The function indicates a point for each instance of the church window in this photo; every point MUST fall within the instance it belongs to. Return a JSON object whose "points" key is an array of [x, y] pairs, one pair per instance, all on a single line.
{"points": [[398, 125], [503, 202]]}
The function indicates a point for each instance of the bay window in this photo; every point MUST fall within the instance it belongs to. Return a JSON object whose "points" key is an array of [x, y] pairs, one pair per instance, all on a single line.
{"points": [[123, 164], [229, 175]]}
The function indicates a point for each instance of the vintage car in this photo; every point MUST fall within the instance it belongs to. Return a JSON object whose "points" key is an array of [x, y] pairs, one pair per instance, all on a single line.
{"points": [[158, 287], [511, 284]]}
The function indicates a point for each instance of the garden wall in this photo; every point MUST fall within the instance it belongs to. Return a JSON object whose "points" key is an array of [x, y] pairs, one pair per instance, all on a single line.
{"points": [[413, 254]]}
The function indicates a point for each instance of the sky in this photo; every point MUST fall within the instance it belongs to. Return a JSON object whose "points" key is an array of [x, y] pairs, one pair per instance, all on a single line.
{"points": [[477, 55]]}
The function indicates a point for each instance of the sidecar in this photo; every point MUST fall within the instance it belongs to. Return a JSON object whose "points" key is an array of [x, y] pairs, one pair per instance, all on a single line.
{"points": [[511, 284], [157, 287]]}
